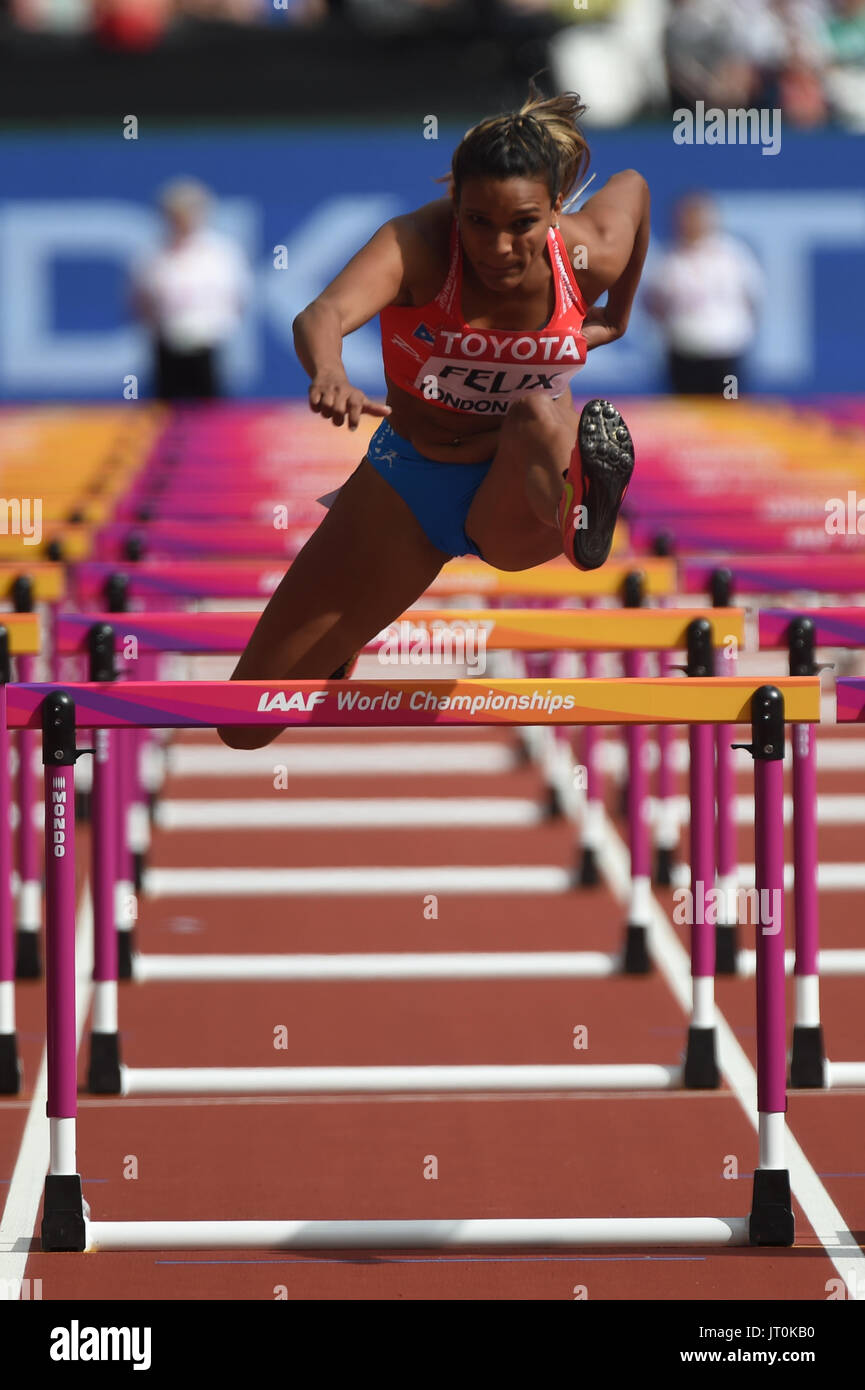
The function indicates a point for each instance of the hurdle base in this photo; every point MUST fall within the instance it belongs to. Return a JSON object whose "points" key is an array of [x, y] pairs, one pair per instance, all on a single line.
{"points": [[553, 807], [125, 954], [139, 866], [726, 948], [64, 1213], [10, 1066], [588, 874], [701, 1066], [808, 1058], [637, 960], [103, 1073], [664, 861], [771, 1221], [28, 962]]}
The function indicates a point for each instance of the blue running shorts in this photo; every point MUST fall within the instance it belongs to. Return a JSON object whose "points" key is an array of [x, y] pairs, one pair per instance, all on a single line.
{"points": [[438, 494]]}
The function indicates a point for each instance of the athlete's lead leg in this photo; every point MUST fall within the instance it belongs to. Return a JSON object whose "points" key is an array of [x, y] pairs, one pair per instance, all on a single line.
{"points": [[512, 519]]}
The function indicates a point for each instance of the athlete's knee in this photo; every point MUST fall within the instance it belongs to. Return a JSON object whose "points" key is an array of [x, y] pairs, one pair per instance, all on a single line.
{"points": [[532, 412], [247, 737]]}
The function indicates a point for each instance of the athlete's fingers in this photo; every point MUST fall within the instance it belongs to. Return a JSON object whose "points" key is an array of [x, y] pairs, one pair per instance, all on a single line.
{"points": [[374, 408], [355, 409], [326, 403]]}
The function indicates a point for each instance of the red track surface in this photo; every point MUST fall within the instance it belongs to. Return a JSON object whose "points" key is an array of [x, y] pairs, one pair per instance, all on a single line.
{"points": [[498, 1155]]}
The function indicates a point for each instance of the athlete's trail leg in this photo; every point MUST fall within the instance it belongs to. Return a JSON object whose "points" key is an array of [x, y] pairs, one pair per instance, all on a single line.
{"points": [[366, 563]]}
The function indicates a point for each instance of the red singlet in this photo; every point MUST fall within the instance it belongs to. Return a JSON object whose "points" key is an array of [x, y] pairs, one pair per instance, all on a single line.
{"points": [[432, 354]]}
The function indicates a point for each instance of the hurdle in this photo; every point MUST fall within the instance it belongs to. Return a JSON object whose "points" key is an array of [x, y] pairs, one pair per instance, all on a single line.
{"points": [[183, 581], [217, 632], [528, 630], [800, 632], [24, 587], [200, 580], [61, 711], [722, 578], [747, 536], [19, 637]]}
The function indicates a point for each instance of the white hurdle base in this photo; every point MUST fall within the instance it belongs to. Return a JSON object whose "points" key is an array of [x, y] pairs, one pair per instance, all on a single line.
{"points": [[844, 1074], [463, 965], [411, 1235], [835, 962], [144, 1081]]}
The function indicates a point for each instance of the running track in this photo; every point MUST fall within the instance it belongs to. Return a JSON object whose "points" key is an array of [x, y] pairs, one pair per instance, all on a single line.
{"points": [[497, 1155]]}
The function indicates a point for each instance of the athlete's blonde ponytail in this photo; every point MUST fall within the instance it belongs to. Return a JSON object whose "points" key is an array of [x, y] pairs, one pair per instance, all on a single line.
{"points": [[541, 139], [559, 116]]}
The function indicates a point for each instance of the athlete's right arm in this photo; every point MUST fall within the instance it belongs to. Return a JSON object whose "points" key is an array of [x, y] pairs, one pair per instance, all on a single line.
{"points": [[373, 278]]}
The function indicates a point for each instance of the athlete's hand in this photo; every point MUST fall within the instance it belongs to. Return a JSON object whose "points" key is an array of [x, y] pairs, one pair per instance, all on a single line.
{"points": [[598, 330], [332, 395]]}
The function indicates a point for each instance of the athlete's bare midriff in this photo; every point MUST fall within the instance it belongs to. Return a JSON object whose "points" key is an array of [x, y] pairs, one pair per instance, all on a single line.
{"points": [[444, 435], [437, 431]]}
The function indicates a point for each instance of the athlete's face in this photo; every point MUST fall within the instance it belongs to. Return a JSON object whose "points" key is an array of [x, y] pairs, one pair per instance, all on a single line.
{"points": [[503, 225]]}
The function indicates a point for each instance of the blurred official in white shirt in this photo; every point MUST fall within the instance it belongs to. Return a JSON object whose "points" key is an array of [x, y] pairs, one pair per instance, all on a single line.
{"points": [[706, 294], [191, 294]]}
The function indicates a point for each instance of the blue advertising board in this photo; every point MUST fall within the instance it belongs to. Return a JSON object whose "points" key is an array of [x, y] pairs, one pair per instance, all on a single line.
{"points": [[77, 209]]}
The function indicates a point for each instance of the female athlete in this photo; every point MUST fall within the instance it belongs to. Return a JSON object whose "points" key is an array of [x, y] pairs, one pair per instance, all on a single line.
{"points": [[484, 301]]}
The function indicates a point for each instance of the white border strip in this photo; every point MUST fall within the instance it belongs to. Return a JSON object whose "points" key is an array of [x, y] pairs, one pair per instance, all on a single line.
{"points": [[28, 1179]]}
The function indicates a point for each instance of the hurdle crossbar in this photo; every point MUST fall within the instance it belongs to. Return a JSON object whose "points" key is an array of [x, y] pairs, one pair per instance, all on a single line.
{"points": [[233, 578], [400, 703], [850, 700], [516, 629], [24, 633], [827, 574], [47, 581]]}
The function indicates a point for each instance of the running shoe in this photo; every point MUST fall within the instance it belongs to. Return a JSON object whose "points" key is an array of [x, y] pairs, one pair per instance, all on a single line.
{"points": [[600, 470]]}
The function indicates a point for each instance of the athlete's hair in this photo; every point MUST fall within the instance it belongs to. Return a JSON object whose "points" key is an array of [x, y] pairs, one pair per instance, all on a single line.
{"points": [[542, 139]]}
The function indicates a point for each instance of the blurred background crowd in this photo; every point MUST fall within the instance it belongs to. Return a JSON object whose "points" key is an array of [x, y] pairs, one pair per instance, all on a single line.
{"points": [[641, 58], [179, 178]]}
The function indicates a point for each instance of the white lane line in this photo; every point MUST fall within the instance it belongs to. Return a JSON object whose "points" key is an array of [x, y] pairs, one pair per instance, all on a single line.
{"points": [[832, 809], [506, 878], [360, 813], [404, 812], [839, 754], [344, 759], [28, 1179], [838, 1241]]}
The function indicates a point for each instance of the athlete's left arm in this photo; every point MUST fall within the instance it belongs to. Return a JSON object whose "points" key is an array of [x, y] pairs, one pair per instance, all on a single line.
{"points": [[614, 226]]}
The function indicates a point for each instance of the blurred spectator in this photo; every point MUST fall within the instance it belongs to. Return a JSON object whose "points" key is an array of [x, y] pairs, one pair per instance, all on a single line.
{"points": [[705, 293], [845, 75], [130, 24], [612, 54], [191, 295], [735, 53]]}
